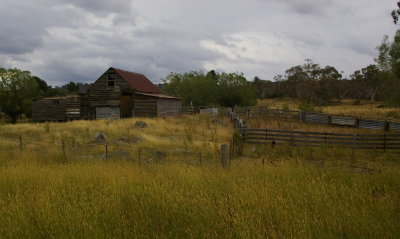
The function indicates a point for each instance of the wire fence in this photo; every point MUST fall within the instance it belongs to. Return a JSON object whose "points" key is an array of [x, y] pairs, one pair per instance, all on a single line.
{"points": [[67, 150]]}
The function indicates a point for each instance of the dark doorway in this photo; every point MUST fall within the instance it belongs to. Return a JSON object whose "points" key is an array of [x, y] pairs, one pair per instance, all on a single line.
{"points": [[126, 106]]}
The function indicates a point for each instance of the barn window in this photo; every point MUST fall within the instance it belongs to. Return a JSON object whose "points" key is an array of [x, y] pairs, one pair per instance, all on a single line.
{"points": [[111, 79], [56, 102]]}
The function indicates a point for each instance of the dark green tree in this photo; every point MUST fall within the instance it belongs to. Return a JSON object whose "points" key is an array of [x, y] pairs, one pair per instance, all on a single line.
{"points": [[72, 88], [17, 89], [226, 89]]}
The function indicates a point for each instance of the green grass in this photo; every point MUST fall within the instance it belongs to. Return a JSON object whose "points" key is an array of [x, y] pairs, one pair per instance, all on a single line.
{"points": [[296, 193]]}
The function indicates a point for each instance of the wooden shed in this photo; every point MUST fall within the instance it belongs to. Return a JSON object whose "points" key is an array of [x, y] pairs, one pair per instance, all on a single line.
{"points": [[155, 105], [62, 108], [122, 94]]}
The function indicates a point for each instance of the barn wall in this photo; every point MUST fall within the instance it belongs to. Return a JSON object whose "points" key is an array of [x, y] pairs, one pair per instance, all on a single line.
{"points": [[144, 106], [73, 108], [168, 107], [66, 109], [100, 94], [46, 110], [108, 113]]}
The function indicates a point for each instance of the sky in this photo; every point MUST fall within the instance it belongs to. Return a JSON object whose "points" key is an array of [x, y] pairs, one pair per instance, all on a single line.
{"points": [[77, 40]]}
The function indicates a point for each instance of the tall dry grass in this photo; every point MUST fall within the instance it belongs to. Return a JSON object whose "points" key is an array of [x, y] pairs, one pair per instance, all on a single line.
{"points": [[362, 109], [296, 193]]}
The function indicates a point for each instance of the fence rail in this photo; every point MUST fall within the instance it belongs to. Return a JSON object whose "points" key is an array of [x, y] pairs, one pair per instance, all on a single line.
{"points": [[319, 118], [301, 138]]}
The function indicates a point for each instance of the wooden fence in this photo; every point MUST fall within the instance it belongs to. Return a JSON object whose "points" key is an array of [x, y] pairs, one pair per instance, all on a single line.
{"points": [[319, 118], [317, 139]]}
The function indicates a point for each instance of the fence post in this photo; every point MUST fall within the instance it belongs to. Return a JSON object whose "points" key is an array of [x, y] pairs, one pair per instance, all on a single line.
{"points": [[139, 155], [387, 126], [302, 116], [357, 123], [20, 143], [63, 150], [106, 152], [224, 156], [329, 120], [266, 135]]}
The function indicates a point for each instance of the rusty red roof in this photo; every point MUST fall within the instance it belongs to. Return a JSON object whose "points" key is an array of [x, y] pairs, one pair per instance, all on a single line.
{"points": [[138, 82]]}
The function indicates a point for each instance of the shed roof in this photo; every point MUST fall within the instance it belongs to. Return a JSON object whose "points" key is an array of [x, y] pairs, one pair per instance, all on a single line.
{"points": [[59, 97], [138, 82], [158, 95]]}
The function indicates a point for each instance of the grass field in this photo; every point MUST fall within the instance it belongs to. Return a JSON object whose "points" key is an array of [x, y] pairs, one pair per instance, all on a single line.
{"points": [[362, 109], [295, 193]]}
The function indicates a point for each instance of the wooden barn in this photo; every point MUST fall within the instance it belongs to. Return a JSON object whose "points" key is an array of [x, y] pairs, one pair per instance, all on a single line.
{"points": [[122, 94], [62, 108], [115, 94]]}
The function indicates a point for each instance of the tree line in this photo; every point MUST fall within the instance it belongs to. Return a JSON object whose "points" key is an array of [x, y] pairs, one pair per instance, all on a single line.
{"points": [[312, 83], [211, 88]]}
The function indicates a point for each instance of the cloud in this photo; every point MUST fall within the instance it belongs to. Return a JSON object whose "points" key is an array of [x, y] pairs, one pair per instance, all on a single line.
{"points": [[63, 41], [102, 7]]}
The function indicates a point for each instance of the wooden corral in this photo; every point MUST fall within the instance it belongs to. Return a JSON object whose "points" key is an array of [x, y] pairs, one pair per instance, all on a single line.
{"points": [[63, 108]]}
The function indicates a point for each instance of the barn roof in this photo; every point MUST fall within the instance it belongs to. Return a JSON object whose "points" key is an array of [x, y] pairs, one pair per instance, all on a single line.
{"points": [[138, 82]]}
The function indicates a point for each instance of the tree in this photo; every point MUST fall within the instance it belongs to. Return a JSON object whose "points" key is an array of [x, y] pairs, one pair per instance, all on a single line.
{"points": [[226, 89], [234, 89], [72, 88], [17, 89], [369, 80], [396, 13], [309, 82], [388, 61], [389, 55]]}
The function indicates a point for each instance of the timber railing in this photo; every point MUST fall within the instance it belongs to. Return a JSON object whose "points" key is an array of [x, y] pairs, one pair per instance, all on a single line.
{"points": [[319, 139], [319, 118], [238, 123], [385, 141]]}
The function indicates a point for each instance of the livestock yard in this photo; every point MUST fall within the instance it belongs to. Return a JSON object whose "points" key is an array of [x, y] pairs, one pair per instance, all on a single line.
{"points": [[57, 180]]}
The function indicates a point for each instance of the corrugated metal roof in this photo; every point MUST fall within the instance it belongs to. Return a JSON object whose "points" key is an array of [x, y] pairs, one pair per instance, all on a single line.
{"points": [[139, 82], [157, 95]]}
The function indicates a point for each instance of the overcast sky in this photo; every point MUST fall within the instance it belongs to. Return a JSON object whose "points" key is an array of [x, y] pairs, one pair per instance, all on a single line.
{"points": [[77, 40]]}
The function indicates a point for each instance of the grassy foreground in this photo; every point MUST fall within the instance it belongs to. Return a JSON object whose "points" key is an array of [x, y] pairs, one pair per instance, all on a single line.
{"points": [[119, 200], [44, 196]]}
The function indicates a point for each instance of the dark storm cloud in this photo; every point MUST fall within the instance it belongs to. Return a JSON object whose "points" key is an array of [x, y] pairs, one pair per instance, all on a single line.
{"points": [[23, 24]]}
